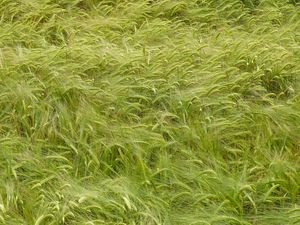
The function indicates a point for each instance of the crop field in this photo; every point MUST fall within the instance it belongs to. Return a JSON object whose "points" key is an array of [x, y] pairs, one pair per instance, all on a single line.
{"points": [[149, 112]]}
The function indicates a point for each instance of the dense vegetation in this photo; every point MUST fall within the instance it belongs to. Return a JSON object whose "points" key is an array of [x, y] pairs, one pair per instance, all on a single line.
{"points": [[140, 112]]}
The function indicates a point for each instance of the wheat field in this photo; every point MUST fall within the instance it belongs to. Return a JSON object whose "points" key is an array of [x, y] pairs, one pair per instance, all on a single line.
{"points": [[149, 112]]}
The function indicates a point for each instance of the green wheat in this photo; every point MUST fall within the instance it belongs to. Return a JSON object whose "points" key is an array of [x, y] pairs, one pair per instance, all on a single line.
{"points": [[149, 112]]}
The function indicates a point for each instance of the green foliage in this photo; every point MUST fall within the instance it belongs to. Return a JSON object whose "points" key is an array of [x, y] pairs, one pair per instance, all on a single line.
{"points": [[147, 112]]}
